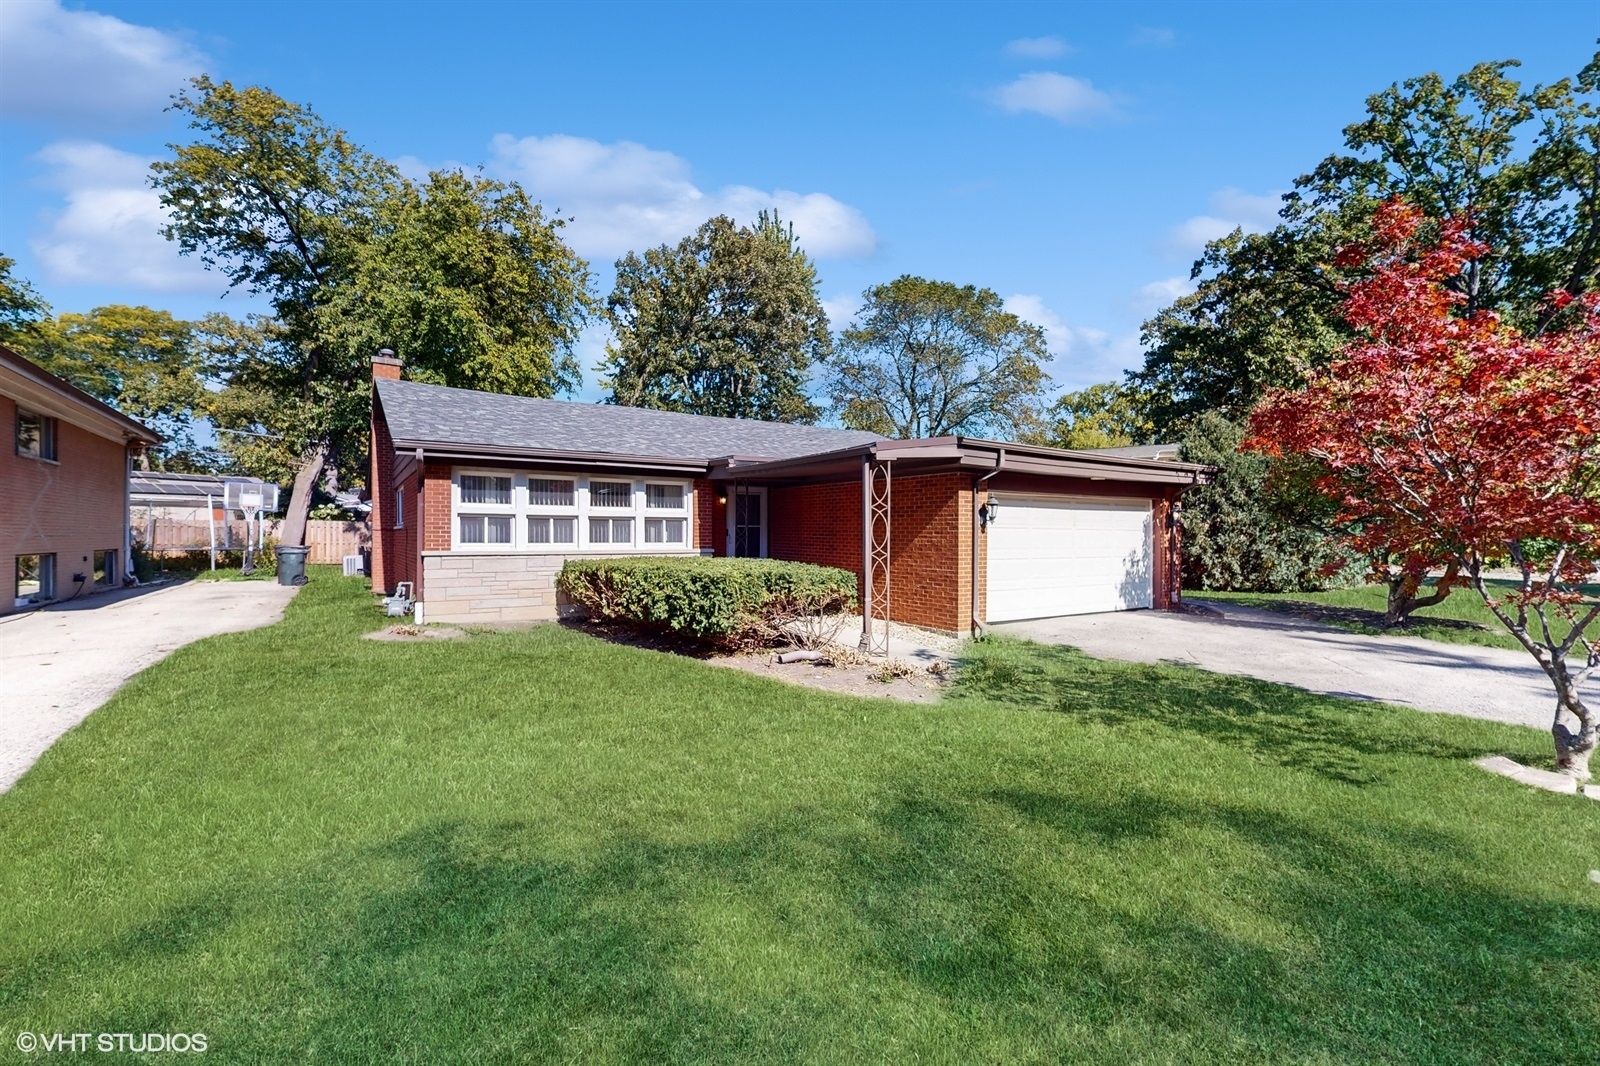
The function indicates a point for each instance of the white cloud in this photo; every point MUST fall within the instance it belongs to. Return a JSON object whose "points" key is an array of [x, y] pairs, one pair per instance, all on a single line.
{"points": [[1152, 37], [1038, 47], [84, 68], [1062, 97], [1230, 210], [109, 230], [1081, 355], [1158, 294], [625, 197], [841, 310]]}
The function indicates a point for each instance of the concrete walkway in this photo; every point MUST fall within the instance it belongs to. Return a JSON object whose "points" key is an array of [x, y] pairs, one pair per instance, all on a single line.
{"points": [[1492, 683], [60, 663]]}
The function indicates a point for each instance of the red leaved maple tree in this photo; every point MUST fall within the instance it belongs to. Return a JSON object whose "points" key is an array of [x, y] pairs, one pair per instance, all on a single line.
{"points": [[1453, 440]]}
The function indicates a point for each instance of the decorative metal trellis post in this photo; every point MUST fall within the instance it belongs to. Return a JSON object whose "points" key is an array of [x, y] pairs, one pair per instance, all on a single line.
{"points": [[875, 529]]}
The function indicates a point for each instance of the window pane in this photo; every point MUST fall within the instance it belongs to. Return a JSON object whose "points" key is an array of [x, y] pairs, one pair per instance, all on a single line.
{"points": [[622, 531], [471, 529], [499, 529], [481, 488], [538, 531], [563, 530], [29, 434], [105, 568], [664, 497], [655, 531], [543, 492], [36, 579], [611, 494], [599, 531], [675, 528]]}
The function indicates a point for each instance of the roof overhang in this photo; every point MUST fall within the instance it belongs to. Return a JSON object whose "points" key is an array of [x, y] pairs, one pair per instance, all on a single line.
{"points": [[966, 454], [38, 390]]}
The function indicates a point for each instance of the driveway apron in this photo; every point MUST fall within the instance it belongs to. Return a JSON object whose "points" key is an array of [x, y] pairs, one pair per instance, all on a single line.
{"points": [[1492, 683]]}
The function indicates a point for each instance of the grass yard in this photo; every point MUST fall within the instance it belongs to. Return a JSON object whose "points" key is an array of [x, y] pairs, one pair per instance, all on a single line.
{"points": [[536, 846], [1460, 619]]}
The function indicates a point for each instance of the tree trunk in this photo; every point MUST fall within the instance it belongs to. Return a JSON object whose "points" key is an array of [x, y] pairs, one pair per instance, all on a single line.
{"points": [[293, 533], [1573, 748], [1403, 598]]}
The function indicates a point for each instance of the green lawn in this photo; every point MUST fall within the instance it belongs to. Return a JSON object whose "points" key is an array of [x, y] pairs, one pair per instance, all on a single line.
{"points": [[538, 847], [1460, 619]]}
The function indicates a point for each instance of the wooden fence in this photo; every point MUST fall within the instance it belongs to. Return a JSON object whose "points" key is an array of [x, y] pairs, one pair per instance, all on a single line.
{"points": [[329, 540]]}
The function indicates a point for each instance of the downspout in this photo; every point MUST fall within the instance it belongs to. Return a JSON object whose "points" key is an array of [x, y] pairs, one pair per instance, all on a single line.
{"points": [[127, 514], [979, 628], [422, 492]]}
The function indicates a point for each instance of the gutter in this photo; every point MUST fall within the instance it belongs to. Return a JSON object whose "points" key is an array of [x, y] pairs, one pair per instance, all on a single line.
{"points": [[979, 628]]}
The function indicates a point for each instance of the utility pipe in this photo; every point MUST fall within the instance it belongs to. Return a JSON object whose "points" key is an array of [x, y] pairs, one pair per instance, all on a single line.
{"points": [[979, 629]]}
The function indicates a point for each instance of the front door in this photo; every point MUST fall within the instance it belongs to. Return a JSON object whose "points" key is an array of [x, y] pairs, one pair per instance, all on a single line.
{"points": [[747, 523]]}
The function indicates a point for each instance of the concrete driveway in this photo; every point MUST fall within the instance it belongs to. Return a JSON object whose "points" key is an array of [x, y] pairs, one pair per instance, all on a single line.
{"points": [[58, 664], [1492, 683]]}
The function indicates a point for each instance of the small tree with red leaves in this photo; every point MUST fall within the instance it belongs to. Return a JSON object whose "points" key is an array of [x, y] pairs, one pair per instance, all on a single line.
{"points": [[1452, 440]]}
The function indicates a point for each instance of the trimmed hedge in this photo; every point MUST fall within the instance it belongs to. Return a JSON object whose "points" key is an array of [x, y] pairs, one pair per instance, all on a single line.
{"points": [[717, 599]]}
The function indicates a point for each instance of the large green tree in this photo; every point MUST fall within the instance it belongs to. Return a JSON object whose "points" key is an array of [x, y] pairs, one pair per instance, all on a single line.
{"points": [[465, 277], [1522, 163], [144, 362], [21, 308], [727, 322], [1257, 527], [1105, 415], [930, 358]]}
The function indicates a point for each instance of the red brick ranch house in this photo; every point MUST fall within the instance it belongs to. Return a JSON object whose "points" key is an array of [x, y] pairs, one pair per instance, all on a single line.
{"points": [[479, 498]]}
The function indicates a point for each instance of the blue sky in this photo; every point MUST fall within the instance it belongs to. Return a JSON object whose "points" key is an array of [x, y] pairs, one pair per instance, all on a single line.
{"points": [[1072, 157]]}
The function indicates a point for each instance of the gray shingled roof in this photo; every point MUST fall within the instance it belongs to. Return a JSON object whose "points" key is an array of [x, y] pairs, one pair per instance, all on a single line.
{"points": [[463, 418]]}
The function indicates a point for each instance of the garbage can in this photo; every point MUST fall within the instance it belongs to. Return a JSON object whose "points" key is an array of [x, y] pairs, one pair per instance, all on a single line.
{"points": [[292, 565]]}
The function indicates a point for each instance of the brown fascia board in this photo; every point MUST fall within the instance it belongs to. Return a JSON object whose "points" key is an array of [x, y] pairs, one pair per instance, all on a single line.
{"points": [[77, 402]]}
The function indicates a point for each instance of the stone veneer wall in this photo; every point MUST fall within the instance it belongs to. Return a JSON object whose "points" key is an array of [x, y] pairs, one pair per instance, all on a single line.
{"points": [[478, 587]]}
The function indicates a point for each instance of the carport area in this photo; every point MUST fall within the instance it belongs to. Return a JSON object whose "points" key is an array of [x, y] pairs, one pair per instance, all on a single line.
{"points": [[57, 665], [1489, 683]]}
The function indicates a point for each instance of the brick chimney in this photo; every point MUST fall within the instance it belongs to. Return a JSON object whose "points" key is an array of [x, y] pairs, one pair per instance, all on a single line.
{"points": [[386, 365]]}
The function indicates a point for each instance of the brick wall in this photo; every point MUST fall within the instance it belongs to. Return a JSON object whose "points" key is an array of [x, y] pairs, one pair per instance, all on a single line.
{"points": [[930, 573], [380, 487], [705, 512], [70, 508]]}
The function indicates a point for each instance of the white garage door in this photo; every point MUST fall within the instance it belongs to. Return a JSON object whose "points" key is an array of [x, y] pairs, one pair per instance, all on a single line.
{"points": [[1052, 555]]}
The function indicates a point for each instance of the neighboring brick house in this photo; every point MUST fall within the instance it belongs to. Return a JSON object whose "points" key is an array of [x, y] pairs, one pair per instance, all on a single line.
{"points": [[478, 499], [63, 487]]}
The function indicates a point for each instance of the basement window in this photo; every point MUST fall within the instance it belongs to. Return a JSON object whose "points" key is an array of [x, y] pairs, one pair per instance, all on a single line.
{"points": [[36, 579]]}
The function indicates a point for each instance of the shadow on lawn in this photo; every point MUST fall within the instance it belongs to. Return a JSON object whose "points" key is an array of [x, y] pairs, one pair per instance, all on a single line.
{"points": [[936, 928], [1294, 728]]}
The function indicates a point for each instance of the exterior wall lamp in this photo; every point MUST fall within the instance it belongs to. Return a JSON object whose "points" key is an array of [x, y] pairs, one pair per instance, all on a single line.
{"points": [[987, 513]]}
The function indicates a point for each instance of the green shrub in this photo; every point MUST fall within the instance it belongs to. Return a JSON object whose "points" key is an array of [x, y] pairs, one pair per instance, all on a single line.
{"points": [[727, 601], [1256, 528]]}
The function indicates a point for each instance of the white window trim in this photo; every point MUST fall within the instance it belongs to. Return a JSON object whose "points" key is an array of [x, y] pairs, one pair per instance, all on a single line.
{"points": [[520, 510]]}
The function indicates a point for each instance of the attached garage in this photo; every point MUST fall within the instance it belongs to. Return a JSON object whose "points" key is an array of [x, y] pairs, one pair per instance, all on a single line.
{"points": [[1056, 555]]}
